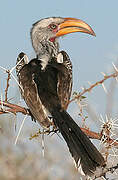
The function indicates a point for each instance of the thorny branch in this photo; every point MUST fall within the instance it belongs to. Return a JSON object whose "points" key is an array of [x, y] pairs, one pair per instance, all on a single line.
{"points": [[7, 107], [105, 170], [13, 108], [113, 75]]}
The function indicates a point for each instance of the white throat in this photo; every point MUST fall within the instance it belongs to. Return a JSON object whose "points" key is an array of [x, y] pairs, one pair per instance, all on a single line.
{"points": [[44, 61]]}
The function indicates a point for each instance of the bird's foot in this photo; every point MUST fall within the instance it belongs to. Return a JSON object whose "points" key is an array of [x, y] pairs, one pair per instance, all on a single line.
{"points": [[54, 130], [48, 132], [35, 135]]}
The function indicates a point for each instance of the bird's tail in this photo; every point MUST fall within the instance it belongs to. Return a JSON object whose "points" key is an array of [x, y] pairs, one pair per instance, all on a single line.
{"points": [[87, 158]]}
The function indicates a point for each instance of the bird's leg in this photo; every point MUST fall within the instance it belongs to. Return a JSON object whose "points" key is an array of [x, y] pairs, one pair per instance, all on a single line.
{"points": [[47, 131]]}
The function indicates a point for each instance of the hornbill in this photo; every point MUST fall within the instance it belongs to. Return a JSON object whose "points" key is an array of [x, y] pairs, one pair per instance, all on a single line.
{"points": [[46, 84]]}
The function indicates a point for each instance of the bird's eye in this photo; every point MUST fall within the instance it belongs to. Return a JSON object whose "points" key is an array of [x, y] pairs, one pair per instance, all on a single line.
{"points": [[52, 26]]}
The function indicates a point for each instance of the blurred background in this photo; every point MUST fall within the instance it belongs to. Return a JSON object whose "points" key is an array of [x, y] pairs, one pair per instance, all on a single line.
{"points": [[90, 56]]}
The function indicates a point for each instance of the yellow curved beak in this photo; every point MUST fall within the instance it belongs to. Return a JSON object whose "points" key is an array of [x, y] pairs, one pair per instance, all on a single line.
{"points": [[71, 25]]}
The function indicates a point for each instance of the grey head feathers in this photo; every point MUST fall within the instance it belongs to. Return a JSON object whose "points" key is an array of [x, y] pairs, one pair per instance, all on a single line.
{"points": [[41, 34]]}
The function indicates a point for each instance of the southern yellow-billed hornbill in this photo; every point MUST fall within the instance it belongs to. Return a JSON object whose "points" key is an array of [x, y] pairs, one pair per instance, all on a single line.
{"points": [[46, 84]]}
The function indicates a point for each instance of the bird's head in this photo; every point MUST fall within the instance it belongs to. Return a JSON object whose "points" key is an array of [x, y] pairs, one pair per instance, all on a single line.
{"points": [[44, 33]]}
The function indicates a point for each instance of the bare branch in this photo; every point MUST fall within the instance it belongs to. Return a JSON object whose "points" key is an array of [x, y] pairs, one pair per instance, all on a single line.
{"points": [[113, 75], [105, 170], [13, 108], [6, 90]]}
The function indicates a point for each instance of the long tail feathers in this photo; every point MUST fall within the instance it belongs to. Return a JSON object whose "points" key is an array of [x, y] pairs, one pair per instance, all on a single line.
{"points": [[85, 154]]}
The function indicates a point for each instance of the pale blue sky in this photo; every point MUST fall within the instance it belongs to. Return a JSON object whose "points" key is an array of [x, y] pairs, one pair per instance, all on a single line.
{"points": [[86, 52], [90, 55]]}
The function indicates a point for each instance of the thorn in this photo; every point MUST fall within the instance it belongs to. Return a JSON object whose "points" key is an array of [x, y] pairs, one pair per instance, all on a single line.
{"points": [[3, 68], [103, 74], [42, 141], [15, 124], [89, 83], [2, 105], [116, 140], [101, 119], [116, 69], [104, 88], [17, 81], [104, 178], [16, 64], [116, 78], [20, 129], [107, 119], [82, 88]]}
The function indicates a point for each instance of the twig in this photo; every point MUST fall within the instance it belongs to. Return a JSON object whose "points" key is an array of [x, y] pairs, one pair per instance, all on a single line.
{"points": [[105, 170], [9, 77], [13, 108], [94, 135], [43, 144], [6, 90], [113, 75]]}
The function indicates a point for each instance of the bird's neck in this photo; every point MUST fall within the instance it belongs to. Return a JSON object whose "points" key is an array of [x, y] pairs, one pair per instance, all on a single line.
{"points": [[45, 51]]}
